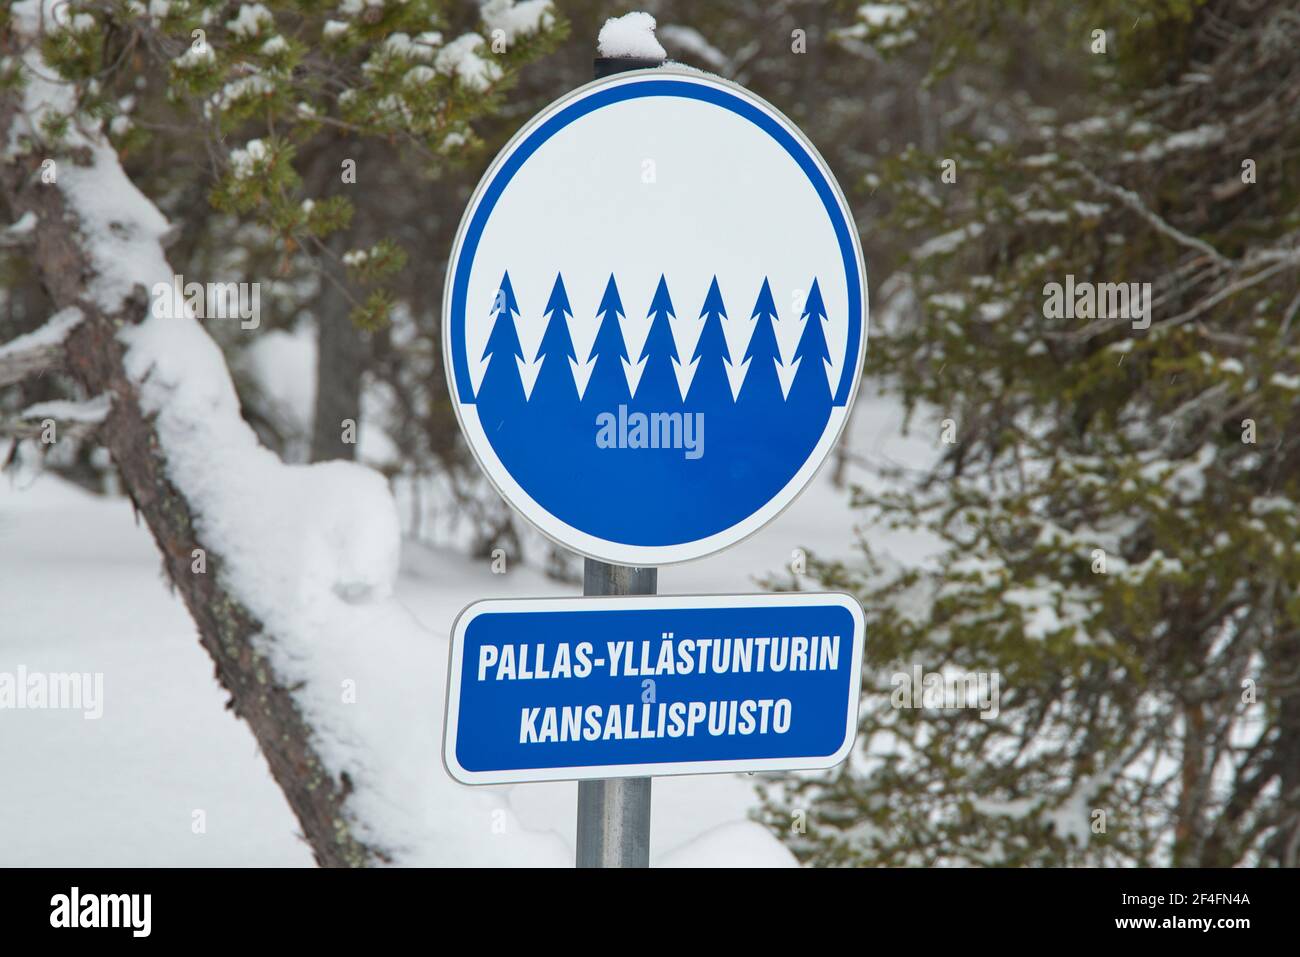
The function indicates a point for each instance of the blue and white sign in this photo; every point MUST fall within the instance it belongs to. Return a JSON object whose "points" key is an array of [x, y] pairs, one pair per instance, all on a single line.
{"points": [[655, 317], [559, 689]]}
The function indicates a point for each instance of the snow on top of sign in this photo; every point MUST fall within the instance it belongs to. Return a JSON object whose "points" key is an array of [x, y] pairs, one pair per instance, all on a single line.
{"points": [[631, 35]]}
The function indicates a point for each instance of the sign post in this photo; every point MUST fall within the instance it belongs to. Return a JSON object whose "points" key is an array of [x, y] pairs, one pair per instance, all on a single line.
{"points": [[613, 381], [614, 815]]}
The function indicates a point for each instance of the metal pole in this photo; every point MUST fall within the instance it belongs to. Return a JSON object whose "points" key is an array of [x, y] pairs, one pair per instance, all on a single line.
{"points": [[614, 814]]}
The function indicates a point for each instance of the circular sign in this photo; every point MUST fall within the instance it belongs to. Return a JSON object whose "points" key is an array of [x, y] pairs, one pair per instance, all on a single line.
{"points": [[655, 317]]}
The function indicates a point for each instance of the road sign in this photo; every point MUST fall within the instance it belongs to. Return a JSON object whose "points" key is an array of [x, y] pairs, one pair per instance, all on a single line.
{"points": [[655, 317], [560, 689]]}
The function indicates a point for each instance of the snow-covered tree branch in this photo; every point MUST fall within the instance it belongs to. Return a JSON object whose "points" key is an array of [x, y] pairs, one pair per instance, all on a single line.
{"points": [[284, 569], [1117, 491], [99, 252]]}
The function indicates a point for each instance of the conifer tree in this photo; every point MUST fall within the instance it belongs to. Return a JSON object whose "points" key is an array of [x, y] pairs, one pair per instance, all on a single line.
{"points": [[811, 390], [267, 93], [607, 386], [658, 387], [555, 383], [1116, 499], [501, 393], [710, 389], [763, 354], [501, 389]]}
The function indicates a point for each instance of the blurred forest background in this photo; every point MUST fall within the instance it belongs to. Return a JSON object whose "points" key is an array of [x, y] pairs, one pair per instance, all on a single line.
{"points": [[1117, 506]]}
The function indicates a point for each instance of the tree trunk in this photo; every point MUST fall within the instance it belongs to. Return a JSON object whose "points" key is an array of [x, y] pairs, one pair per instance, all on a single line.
{"points": [[340, 362], [94, 357], [1283, 848]]}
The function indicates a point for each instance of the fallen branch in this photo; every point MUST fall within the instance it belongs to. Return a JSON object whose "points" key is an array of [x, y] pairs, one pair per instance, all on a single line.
{"points": [[79, 276]]}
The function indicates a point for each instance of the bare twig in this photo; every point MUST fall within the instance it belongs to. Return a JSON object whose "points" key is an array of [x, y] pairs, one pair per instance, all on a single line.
{"points": [[1161, 225]]}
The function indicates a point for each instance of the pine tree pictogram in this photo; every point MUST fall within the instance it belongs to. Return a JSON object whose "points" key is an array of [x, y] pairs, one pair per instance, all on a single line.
{"points": [[501, 382], [555, 380], [762, 382], [711, 387], [607, 386]]}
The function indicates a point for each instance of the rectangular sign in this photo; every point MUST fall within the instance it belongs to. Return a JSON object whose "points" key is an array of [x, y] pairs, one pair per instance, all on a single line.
{"points": [[566, 688]]}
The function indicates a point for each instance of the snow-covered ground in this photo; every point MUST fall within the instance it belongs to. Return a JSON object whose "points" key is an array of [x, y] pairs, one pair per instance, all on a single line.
{"points": [[81, 590], [157, 772]]}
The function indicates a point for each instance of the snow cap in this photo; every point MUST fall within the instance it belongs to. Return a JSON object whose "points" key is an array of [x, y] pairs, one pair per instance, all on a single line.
{"points": [[630, 36]]}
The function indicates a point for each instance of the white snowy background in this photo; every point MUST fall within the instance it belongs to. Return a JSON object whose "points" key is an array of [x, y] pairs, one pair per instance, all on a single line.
{"points": [[82, 590], [315, 553]]}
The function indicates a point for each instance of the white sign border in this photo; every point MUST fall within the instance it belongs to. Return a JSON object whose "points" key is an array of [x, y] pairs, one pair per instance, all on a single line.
{"points": [[559, 531], [451, 715]]}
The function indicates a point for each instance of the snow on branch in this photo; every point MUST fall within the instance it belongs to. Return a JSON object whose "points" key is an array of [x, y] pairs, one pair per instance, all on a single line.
{"points": [[294, 603], [38, 350], [90, 412], [20, 233], [1134, 203], [75, 419]]}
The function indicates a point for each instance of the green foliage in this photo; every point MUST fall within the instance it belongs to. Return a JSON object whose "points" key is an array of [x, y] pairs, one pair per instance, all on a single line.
{"points": [[75, 47], [375, 311], [382, 259], [1110, 545], [264, 83]]}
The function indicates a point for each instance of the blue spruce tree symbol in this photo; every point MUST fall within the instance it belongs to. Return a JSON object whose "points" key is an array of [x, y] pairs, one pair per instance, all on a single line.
{"points": [[811, 389], [710, 389], [608, 384], [501, 384], [555, 378], [763, 354], [658, 386]]}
